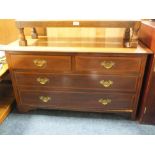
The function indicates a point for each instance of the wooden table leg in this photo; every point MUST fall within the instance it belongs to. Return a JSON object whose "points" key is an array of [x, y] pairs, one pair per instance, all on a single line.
{"points": [[134, 36], [126, 40], [34, 34], [22, 40]]}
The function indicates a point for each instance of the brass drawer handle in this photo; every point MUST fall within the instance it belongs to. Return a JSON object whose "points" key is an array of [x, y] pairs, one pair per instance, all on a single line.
{"points": [[39, 62], [104, 101], [107, 64], [42, 80], [45, 99], [107, 83]]}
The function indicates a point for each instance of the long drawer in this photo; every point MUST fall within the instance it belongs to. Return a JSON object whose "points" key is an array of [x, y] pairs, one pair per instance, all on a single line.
{"points": [[110, 65], [41, 62], [93, 81], [77, 100]]}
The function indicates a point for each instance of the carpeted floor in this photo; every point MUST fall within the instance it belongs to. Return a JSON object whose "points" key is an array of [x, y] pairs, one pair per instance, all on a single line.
{"points": [[65, 122]]}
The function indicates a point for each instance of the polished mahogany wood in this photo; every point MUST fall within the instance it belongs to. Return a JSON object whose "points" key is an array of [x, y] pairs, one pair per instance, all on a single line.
{"points": [[34, 33], [22, 38], [86, 84], [147, 34], [50, 63], [77, 100], [130, 38], [78, 81], [119, 64], [84, 45], [72, 23], [147, 107]]}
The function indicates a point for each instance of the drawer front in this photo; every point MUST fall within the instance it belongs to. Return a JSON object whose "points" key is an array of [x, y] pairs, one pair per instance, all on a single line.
{"points": [[106, 82], [51, 63], [108, 64], [79, 100]]}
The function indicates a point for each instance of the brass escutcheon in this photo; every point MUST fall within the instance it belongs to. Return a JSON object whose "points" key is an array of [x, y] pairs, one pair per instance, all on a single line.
{"points": [[107, 64], [107, 83], [39, 62], [104, 101], [45, 99], [42, 80]]}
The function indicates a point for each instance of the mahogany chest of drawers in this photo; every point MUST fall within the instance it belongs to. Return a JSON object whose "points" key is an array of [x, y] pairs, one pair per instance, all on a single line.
{"points": [[95, 82], [96, 74]]}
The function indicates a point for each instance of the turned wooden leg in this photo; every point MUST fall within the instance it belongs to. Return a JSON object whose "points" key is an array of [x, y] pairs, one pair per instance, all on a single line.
{"points": [[22, 40], [34, 34], [134, 39], [126, 40], [134, 36], [45, 31]]}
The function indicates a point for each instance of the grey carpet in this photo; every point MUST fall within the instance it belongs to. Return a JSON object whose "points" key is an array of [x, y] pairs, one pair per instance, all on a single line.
{"points": [[52, 122]]}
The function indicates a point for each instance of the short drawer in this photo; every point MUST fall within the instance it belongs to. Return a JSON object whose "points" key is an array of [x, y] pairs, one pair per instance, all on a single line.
{"points": [[108, 64], [77, 100], [51, 63], [93, 81]]}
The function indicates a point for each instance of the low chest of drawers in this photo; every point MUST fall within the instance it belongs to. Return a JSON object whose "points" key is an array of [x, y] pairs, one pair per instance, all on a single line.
{"points": [[80, 74], [77, 81]]}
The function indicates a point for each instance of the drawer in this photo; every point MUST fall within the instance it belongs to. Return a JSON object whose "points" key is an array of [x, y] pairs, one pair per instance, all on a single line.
{"points": [[51, 63], [77, 100], [105, 82], [108, 64]]}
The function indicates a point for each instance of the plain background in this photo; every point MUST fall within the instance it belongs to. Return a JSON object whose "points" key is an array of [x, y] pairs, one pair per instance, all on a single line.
{"points": [[77, 9]]}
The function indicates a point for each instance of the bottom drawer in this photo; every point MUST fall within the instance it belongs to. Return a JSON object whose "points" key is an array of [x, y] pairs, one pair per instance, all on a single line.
{"points": [[77, 100]]}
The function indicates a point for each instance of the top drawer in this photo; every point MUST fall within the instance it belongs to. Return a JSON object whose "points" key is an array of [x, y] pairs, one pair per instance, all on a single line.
{"points": [[51, 63], [108, 64]]}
